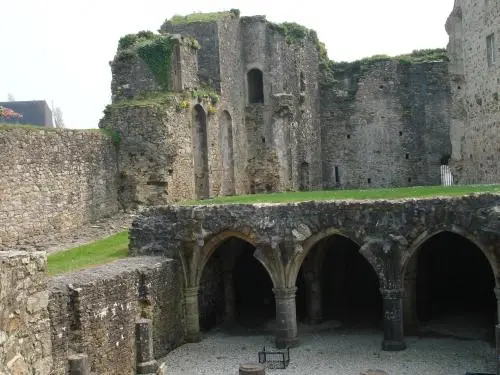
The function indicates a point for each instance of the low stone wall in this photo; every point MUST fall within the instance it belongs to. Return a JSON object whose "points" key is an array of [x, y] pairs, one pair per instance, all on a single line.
{"points": [[54, 181], [25, 346], [94, 311]]}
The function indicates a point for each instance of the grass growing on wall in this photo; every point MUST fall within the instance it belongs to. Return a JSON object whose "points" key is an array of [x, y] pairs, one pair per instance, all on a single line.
{"points": [[201, 17], [364, 194], [99, 252]]}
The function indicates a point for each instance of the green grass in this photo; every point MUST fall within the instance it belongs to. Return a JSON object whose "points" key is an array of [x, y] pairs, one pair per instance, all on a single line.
{"points": [[389, 193], [99, 252], [196, 17]]}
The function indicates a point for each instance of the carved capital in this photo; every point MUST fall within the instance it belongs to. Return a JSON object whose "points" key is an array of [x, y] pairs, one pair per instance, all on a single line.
{"points": [[391, 293], [284, 293]]}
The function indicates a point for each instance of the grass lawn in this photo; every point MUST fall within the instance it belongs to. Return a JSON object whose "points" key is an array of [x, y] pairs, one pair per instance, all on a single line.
{"points": [[96, 253], [387, 193]]}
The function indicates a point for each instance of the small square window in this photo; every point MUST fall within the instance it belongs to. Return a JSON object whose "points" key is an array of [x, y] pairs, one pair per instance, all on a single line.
{"points": [[490, 49]]}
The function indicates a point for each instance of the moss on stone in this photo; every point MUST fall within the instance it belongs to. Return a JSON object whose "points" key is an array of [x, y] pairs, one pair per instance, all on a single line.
{"points": [[293, 32], [154, 49], [333, 71], [201, 17]]}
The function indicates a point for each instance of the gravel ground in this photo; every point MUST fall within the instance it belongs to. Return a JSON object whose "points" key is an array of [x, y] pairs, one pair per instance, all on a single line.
{"points": [[333, 352]]}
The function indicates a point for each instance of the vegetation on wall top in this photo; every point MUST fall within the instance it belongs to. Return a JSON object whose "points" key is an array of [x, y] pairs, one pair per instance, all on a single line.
{"points": [[293, 32], [332, 71], [202, 17], [155, 50]]}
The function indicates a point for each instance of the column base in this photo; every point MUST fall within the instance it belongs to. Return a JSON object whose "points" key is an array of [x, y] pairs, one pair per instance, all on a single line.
{"points": [[282, 342], [393, 346], [192, 337]]}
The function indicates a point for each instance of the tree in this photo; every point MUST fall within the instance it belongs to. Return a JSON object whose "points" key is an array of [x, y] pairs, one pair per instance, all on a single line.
{"points": [[10, 97], [58, 117]]}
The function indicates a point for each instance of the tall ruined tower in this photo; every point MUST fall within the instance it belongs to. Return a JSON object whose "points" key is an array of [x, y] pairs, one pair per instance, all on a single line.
{"points": [[474, 40]]}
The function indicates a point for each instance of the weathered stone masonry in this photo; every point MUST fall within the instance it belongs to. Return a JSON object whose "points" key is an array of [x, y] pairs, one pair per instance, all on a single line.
{"points": [[25, 346], [95, 312], [54, 180], [389, 234]]}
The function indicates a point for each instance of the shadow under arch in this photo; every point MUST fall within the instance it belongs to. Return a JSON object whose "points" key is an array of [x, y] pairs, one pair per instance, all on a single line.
{"points": [[235, 287], [308, 244], [336, 282], [415, 246], [448, 278]]}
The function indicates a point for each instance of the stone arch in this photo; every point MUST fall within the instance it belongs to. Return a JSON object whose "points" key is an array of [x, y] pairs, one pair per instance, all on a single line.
{"points": [[255, 84], [227, 157], [214, 242], [419, 295], [200, 153], [308, 244], [327, 276], [426, 235]]}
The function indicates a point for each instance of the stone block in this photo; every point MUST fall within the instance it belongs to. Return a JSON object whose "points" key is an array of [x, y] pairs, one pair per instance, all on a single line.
{"points": [[373, 372], [252, 369]]}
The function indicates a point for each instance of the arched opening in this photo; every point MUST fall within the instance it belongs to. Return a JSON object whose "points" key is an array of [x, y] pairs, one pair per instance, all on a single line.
{"points": [[255, 86], [227, 159], [200, 150], [454, 288], [235, 289], [304, 176], [336, 283]]}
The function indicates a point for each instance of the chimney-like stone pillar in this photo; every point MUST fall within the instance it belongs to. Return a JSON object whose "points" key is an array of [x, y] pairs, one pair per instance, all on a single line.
{"points": [[192, 314], [146, 363], [286, 318], [393, 320]]}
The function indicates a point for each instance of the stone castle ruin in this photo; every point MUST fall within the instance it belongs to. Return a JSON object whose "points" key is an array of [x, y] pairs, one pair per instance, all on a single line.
{"points": [[220, 104]]}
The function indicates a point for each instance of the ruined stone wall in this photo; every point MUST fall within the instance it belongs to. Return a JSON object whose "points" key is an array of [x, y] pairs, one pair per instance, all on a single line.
{"points": [[94, 311], [208, 54], [282, 129], [155, 153], [232, 101], [54, 180], [475, 87], [25, 346], [386, 126], [132, 77]]}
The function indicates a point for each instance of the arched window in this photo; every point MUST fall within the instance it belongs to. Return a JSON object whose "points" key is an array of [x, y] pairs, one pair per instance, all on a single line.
{"points": [[255, 86]]}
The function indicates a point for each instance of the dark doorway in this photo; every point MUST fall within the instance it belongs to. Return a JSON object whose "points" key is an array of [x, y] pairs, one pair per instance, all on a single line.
{"points": [[349, 285], [200, 150], [255, 86], [235, 289], [455, 288], [227, 160]]}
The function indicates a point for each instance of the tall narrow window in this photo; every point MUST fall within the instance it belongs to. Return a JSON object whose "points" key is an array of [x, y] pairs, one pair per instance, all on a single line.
{"points": [[255, 86], [490, 49]]}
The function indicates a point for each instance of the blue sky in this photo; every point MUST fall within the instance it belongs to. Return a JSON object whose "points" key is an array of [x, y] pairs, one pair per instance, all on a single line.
{"points": [[59, 50]]}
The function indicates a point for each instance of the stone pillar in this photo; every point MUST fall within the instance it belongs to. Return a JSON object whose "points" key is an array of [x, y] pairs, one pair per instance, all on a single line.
{"points": [[393, 320], [410, 303], [286, 318], [313, 298], [497, 295], [497, 334], [192, 314], [146, 363], [229, 297], [79, 364]]}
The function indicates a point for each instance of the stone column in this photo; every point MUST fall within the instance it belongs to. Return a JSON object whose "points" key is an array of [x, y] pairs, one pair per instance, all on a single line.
{"points": [[497, 334], [393, 320], [79, 364], [192, 314], [410, 302], [497, 295], [146, 363], [313, 298], [229, 297], [286, 318]]}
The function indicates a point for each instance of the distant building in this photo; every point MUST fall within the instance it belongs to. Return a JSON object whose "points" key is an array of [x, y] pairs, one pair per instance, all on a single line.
{"points": [[34, 112]]}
